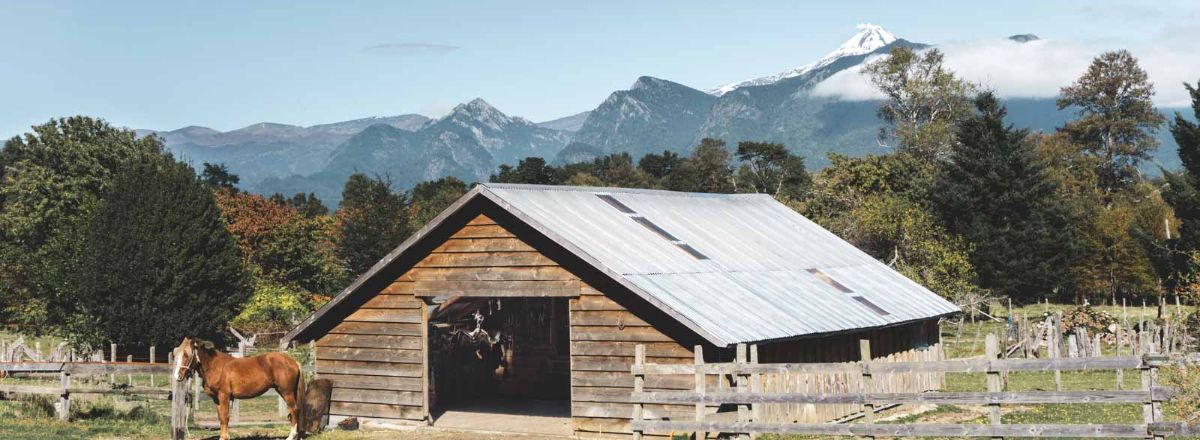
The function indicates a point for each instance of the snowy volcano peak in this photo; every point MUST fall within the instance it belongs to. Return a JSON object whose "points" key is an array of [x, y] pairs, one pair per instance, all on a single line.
{"points": [[869, 38]]}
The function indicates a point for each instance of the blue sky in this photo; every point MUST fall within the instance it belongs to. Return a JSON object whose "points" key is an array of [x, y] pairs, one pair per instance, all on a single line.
{"points": [[231, 64]]}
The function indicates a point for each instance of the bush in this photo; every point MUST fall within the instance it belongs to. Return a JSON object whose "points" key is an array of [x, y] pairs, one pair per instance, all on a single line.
{"points": [[1095, 321], [273, 307], [1185, 379]]}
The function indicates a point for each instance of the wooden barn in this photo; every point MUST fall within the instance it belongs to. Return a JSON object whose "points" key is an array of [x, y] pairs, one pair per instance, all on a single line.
{"points": [[528, 301]]}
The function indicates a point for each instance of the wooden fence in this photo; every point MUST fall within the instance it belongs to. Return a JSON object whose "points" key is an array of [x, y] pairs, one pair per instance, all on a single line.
{"points": [[748, 398]]}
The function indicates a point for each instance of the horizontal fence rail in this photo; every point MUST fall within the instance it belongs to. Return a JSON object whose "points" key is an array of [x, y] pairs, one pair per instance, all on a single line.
{"points": [[747, 397], [926, 429]]}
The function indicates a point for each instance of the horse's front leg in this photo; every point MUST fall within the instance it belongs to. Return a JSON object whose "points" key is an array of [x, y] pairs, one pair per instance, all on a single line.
{"points": [[223, 414]]}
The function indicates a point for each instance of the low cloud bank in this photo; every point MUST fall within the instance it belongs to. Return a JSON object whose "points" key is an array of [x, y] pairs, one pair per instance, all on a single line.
{"points": [[1037, 69]]}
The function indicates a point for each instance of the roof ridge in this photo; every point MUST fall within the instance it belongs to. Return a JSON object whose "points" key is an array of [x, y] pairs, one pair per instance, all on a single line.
{"points": [[616, 190]]}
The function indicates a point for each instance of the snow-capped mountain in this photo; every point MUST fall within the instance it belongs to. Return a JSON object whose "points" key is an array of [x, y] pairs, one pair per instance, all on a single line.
{"points": [[653, 115], [868, 39]]}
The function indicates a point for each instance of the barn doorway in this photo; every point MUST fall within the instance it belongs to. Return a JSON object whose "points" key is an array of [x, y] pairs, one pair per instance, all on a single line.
{"points": [[500, 364]]}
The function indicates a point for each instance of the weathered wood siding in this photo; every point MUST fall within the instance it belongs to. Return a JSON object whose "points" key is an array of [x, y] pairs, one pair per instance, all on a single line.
{"points": [[603, 337], [377, 356]]}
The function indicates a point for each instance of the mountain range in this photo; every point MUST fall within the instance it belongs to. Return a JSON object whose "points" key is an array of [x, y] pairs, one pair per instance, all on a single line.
{"points": [[653, 115]]}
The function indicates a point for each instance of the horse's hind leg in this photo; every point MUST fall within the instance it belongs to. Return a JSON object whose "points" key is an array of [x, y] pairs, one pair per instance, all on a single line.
{"points": [[289, 397], [223, 414]]}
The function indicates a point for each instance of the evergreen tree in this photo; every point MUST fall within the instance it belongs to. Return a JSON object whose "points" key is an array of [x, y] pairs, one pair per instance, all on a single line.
{"points": [[50, 178], [659, 166], [153, 264], [1117, 118], [997, 194], [1182, 191], [219, 176], [371, 221], [770, 168], [533, 170], [432, 197]]}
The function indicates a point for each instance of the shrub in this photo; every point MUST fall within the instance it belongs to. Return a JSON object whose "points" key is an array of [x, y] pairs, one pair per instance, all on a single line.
{"points": [[1095, 321]]}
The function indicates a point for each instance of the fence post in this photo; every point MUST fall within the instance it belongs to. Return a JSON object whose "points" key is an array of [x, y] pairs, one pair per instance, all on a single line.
{"points": [[698, 357], [992, 349], [864, 353], [129, 377], [112, 377], [195, 393], [755, 387], [743, 385], [639, 384], [1056, 344], [152, 362], [64, 401], [179, 413], [235, 406], [1120, 343], [1152, 407]]}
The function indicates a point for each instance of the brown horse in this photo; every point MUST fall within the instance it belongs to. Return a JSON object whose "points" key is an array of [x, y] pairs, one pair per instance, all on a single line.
{"points": [[226, 378]]}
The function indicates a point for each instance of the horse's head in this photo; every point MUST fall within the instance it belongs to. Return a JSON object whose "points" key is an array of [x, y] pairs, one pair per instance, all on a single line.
{"points": [[187, 356]]}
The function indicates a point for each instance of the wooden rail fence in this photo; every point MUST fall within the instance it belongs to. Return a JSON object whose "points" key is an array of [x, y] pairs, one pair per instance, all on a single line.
{"points": [[177, 392], [747, 398]]}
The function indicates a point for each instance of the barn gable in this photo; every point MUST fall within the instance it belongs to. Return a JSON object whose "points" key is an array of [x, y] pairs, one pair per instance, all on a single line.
{"points": [[375, 355]]}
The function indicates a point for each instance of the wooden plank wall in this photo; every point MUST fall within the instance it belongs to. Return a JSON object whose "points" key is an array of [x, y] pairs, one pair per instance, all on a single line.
{"points": [[603, 337], [376, 356], [913, 342]]}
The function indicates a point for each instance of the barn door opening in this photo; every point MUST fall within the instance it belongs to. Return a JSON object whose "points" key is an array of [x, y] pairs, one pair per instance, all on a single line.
{"points": [[500, 364]]}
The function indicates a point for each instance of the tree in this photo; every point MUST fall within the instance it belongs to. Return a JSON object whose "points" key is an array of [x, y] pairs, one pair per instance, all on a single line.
{"points": [[617, 170], [370, 223], [308, 205], [1116, 116], [770, 168], [1118, 236], [219, 176], [923, 101], [179, 272], [432, 197], [50, 178], [995, 192], [533, 170], [706, 170], [1182, 192], [659, 166]]}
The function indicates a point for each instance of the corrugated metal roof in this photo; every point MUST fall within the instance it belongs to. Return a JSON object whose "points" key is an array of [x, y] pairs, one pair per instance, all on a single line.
{"points": [[755, 284]]}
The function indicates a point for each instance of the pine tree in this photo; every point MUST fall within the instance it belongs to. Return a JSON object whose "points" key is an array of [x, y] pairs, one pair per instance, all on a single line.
{"points": [[1182, 191], [219, 176], [153, 264], [997, 194], [1116, 116], [371, 221]]}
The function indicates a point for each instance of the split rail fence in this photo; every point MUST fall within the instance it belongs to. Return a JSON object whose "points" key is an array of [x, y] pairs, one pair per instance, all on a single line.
{"points": [[749, 399], [84, 374]]}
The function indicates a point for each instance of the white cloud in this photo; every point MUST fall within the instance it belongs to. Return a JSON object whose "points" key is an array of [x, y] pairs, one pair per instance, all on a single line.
{"points": [[1038, 69]]}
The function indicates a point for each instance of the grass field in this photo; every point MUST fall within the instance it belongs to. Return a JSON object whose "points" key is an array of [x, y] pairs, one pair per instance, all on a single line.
{"points": [[103, 418]]}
